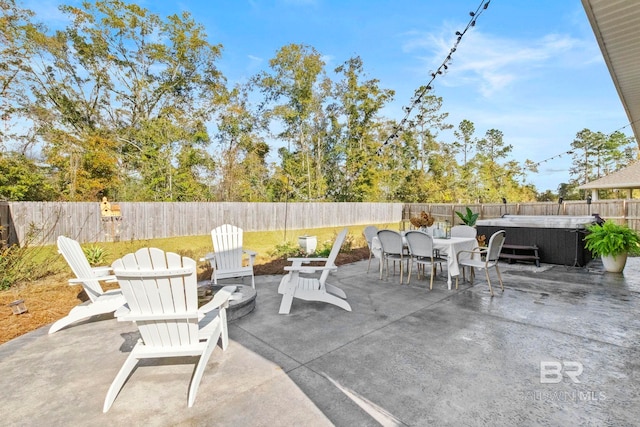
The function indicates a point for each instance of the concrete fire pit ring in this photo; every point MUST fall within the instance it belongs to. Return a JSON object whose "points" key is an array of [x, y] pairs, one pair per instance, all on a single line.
{"points": [[237, 307]]}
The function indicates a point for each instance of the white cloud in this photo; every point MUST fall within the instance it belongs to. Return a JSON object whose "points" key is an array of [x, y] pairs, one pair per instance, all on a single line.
{"points": [[492, 63]]}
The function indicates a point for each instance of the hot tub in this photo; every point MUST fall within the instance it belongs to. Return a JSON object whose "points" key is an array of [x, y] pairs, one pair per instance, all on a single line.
{"points": [[559, 238]]}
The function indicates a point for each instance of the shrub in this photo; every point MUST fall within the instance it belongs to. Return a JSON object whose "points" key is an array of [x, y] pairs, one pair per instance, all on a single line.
{"points": [[287, 250], [27, 262], [325, 249], [96, 255], [293, 250]]}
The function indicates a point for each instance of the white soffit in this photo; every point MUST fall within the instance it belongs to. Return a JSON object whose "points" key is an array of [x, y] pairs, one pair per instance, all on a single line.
{"points": [[616, 25]]}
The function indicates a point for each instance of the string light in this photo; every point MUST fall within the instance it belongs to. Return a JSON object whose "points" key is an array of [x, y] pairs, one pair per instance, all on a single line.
{"points": [[472, 22]]}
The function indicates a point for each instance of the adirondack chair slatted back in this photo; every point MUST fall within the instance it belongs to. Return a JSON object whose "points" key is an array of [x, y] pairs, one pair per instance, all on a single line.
{"points": [[158, 283], [331, 259], [77, 260], [227, 246]]}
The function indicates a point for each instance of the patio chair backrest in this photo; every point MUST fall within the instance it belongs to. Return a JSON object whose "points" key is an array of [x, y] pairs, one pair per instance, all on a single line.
{"points": [[370, 232], [463, 231], [420, 244], [391, 242], [495, 245]]}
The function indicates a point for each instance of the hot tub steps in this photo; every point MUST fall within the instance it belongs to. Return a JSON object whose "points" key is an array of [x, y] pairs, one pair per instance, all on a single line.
{"points": [[514, 253]]}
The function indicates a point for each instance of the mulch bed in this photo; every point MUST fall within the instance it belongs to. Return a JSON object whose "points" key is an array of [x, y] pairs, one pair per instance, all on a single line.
{"points": [[277, 266]]}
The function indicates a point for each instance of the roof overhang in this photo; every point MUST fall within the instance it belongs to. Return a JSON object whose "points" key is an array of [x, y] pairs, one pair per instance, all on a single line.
{"points": [[624, 179], [616, 25]]}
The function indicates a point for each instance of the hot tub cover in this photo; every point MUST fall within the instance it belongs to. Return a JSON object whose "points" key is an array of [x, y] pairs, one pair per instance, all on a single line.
{"points": [[540, 221]]}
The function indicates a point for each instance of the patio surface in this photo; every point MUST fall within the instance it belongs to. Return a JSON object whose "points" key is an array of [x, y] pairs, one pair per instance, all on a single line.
{"points": [[404, 356]]}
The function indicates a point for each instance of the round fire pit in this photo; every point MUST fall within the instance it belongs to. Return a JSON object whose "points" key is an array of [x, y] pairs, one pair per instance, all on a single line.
{"points": [[237, 307]]}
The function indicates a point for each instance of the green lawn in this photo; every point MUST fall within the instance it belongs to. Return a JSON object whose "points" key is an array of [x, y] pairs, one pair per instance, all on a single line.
{"points": [[38, 262]]}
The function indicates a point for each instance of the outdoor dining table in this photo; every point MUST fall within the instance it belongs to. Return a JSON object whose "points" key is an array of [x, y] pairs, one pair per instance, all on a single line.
{"points": [[450, 247], [447, 246]]}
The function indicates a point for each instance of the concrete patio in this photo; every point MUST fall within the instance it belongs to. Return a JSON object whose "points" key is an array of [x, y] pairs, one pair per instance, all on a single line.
{"points": [[404, 356]]}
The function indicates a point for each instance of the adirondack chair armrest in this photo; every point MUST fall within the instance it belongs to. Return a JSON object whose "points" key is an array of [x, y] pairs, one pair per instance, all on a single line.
{"points": [[208, 257], [138, 317], [310, 268], [252, 255], [121, 312], [307, 260], [297, 262], [102, 270], [79, 280], [221, 298]]}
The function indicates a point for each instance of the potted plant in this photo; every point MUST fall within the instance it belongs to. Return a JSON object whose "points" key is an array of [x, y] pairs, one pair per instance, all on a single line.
{"points": [[469, 218], [612, 242]]}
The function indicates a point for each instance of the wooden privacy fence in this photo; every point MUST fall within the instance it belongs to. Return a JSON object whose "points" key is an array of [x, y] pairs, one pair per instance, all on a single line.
{"points": [[42, 222]]}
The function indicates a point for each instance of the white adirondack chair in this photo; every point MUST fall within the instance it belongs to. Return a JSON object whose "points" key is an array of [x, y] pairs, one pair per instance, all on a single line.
{"points": [[161, 290], [228, 256], [312, 289], [100, 302]]}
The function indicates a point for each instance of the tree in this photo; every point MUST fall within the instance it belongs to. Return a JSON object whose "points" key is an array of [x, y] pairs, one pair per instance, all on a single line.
{"points": [[294, 92], [465, 140], [595, 154], [243, 172], [117, 95], [492, 146], [569, 191], [435, 160], [353, 118], [21, 179]]}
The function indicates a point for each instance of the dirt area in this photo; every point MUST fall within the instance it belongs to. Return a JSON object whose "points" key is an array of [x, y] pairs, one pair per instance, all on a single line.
{"points": [[51, 299]]}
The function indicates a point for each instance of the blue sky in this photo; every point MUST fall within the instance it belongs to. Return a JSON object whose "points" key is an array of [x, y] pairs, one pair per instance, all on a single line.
{"points": [[531, 69]]}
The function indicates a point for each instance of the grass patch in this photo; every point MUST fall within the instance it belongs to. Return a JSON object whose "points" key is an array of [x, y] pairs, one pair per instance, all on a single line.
{"points": [[44, 261]]}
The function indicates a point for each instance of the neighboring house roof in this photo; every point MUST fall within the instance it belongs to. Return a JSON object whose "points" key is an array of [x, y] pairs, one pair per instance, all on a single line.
{"points": [[616, 25], [628, 177]]}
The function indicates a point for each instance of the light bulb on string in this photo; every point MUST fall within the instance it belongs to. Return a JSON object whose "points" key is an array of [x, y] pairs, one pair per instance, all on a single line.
{"points": [[459, 34]]}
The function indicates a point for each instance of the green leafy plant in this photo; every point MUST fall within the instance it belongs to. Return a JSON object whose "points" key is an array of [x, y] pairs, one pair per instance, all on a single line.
{"points": [[612, 239], [469, 218], [96, 255], [327, 245], [287, 250]]}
